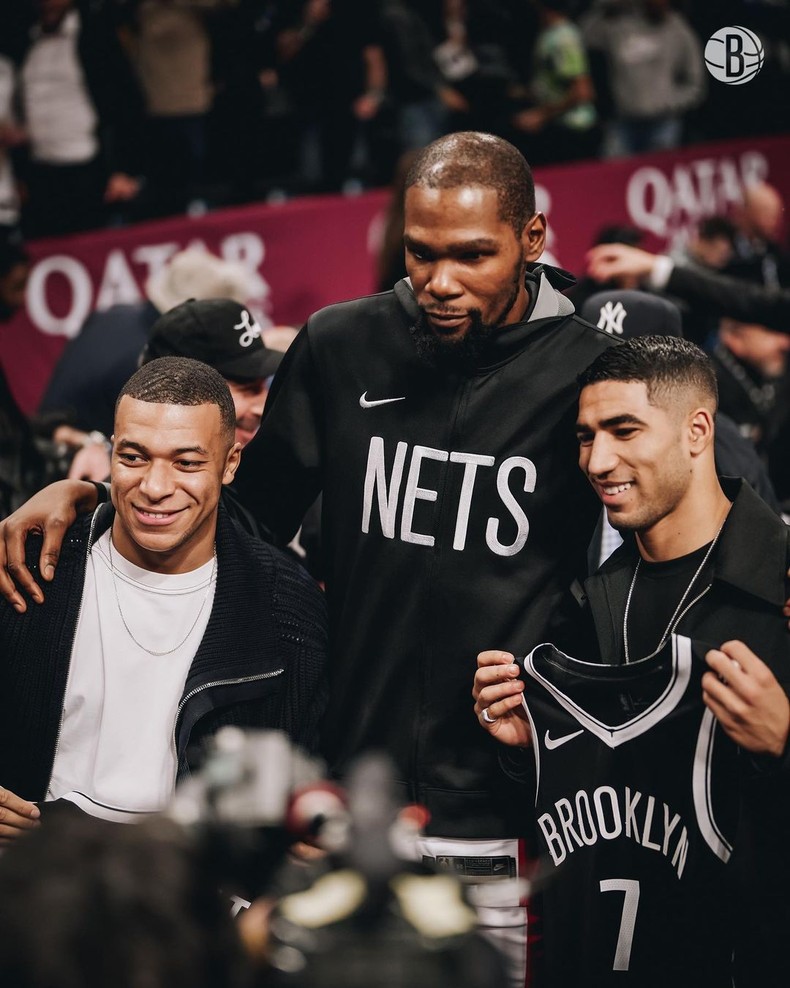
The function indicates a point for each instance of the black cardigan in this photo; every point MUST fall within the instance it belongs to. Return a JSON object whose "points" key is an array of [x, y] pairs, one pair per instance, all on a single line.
{"points": [[260, 664]]}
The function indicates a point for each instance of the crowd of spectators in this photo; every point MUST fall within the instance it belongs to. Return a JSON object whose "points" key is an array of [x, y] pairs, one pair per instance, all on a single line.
{"points": [[117, 110]]}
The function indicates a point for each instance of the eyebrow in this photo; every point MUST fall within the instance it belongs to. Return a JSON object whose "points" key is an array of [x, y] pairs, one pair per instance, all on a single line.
{"points": [[611, 423], [175, 452], [479, 243]]}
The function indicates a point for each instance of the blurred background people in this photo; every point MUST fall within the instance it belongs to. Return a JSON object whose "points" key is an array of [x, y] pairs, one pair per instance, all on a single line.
{"points": [[329, 60], [11, 136], [751, 369], [561, 123], [760, 254], [82, 113], [171, 48], [22, 467], [654, 68], [80, 397]]}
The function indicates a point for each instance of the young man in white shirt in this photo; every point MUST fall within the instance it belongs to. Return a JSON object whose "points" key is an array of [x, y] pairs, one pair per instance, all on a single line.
{"points": [[167, 622]]}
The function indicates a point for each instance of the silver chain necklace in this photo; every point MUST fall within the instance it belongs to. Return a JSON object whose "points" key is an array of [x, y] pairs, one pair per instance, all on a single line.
{"points": [[687, 591], [139, 644]]}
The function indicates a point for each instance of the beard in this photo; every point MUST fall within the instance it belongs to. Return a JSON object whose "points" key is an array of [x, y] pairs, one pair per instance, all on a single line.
{"points": [[463, 355], [460, 355]]}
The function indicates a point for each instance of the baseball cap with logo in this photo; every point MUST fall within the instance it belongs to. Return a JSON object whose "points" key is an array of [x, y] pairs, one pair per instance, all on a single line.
{"points": [[217, 331], [625, 314]]}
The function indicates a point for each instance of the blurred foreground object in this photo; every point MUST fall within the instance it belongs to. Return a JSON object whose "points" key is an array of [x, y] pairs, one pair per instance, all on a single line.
{"points": [[371, 917], [91, 903]]}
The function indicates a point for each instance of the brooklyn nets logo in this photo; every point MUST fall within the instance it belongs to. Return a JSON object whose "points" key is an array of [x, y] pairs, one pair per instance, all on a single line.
{"points": [[734, 55]]}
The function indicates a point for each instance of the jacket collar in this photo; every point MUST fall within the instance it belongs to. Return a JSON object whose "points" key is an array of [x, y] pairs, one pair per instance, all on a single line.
{"points": [[753, 549]]}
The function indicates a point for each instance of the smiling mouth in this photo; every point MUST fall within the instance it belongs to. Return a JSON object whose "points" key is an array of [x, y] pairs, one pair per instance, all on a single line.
{"points": [[611, 489], [155, 517]]}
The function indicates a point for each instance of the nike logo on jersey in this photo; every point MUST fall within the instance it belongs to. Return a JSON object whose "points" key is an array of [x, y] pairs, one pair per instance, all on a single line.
{"points": [[551, 744], [364, 403]]}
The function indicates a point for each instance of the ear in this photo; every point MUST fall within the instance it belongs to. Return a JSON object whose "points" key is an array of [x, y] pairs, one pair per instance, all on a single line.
{"points": [[232, 461], [533, 237], [701, 430]]}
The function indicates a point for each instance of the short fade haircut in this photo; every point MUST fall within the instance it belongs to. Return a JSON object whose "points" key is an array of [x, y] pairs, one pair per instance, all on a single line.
{"points": [[182, 381], [473, 158], [665, 364]]}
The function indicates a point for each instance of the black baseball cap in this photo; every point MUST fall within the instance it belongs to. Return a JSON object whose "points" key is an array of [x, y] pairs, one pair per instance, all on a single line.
{"points": [[625, 314], [219, 332]]}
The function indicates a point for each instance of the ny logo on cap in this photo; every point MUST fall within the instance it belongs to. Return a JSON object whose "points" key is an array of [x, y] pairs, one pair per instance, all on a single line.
{"points": [[252, 330], [611, 318]]}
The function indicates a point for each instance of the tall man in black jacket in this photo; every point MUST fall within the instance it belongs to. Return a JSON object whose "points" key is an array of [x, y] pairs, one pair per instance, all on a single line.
{"points": [[165, 622]]}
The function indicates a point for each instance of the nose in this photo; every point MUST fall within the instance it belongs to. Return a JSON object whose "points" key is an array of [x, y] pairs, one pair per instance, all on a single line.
{"points": [[157, 482], [598, 458], [443, 283]]}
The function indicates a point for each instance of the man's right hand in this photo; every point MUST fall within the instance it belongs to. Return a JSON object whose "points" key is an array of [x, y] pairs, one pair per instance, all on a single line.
{"points": [[16, 816], [608, 261], [497, 693], [50, 512]]}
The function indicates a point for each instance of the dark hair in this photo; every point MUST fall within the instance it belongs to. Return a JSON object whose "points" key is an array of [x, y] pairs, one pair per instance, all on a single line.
{"points": [[614, 234], [182, 381], [664, 363], [713, 227], [473, 158], [90, 903]]}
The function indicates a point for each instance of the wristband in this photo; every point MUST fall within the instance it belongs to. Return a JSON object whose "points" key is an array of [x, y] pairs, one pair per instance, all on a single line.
{"points": [[102, 491]]}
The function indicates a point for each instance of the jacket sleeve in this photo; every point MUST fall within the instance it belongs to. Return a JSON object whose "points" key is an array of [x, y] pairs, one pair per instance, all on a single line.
{"points": [[301, 616], [281, 470], [732, 297]]}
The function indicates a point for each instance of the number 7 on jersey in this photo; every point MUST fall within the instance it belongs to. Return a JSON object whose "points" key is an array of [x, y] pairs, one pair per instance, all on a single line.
{"points": [[625, 938]]}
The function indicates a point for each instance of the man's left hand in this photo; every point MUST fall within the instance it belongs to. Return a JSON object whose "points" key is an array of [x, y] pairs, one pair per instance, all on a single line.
{"points": [[746, 699], [121, 188]]}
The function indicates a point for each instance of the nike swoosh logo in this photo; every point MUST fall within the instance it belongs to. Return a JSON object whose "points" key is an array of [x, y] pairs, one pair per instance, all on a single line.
{"points": [[556, 742], [364, 403]]}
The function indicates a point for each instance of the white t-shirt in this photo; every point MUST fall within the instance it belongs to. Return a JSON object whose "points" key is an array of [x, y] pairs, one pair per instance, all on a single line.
{"points": [[115, 755]]}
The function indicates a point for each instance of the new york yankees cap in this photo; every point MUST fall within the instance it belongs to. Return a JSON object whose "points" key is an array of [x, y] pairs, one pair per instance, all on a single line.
{"points": [[219, 332], [625, 314]]}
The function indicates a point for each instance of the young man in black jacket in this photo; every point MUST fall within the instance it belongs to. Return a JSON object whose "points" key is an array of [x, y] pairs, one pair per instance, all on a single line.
{"points": [[704, 557], [165, 622]]}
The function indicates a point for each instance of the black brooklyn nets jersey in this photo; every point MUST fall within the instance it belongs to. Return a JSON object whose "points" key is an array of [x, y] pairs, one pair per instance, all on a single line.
{"points": [[637, 803]]}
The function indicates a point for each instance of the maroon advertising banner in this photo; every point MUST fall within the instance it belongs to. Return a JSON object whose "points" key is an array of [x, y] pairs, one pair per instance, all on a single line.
{"points": [[311, 252]]}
